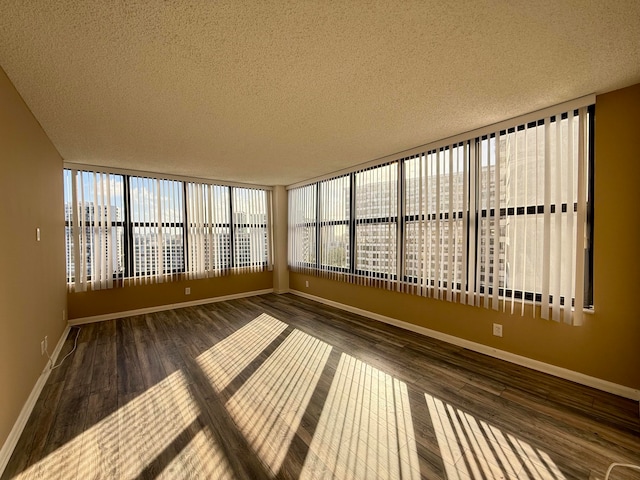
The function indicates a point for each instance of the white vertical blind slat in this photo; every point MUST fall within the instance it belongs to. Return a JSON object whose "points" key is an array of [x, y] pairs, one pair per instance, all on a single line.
{"points": [[450, 229], [569, 277], [426, 246], [557, 237], [109, 255], [436, 275], [514, 219], [473, 223], [94, 238], [465, 238], [487, 207], [84, 219], [496, 227], [76, 231], [546, 249], [580, 218], [527, 229]]}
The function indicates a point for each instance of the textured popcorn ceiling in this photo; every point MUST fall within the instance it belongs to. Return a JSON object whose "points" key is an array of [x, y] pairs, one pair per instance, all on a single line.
{"points": [[278, 92]]}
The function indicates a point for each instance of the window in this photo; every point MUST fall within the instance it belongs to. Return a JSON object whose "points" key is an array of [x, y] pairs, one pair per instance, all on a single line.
{"points": [[157, 227], [531, 188], [495, 220], [435, 221], [302, 227], [134, 229], [333, 221], [209, 230], [376, 221], [99, 240], [250, 239]]}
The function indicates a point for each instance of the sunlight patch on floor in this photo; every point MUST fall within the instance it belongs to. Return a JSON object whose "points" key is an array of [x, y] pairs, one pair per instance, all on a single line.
{"points": [[365, 428], [125, 443], [227, 358], [201, 458], [269, 406], [472, 448]]}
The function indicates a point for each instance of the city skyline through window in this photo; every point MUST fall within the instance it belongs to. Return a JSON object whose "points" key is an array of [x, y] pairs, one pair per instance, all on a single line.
{"points": [[151, 229], [494, 218]]}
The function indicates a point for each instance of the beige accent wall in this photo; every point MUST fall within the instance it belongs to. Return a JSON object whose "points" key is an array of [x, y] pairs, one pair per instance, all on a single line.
{"points": [[114, 300], [607, 346], [32, 286]]}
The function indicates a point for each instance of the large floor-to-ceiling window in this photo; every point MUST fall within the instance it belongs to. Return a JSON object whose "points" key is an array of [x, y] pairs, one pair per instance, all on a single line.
{"points": [[130, 229], [498, 218]]}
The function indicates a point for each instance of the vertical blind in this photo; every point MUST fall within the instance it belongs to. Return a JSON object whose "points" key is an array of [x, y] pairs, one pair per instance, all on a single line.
{"points": [[128, 230], [157, 222], [94, 220], [302, 228], [250, 233], [436, 219], [376, 220], [496, 221], [209, 230]]}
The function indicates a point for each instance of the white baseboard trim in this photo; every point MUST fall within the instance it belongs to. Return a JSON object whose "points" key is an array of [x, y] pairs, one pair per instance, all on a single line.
{"points": [[161, 308], [18, 427], [560, 372]]}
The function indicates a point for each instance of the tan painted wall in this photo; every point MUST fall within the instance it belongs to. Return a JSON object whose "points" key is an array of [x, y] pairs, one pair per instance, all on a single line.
{"points": [[608, 345], [100, 302], [32, 288]]}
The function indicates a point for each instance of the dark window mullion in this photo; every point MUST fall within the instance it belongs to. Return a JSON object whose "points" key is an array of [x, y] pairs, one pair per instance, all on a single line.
{"points": [[477, 214], [352, 223], [400, 221], [318, 227], [232, 233], [128, 229], [185, 236], [588, 271]]}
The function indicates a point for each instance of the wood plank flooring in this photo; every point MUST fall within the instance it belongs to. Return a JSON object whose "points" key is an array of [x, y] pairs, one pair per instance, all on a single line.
{"points": [[277, 386]]}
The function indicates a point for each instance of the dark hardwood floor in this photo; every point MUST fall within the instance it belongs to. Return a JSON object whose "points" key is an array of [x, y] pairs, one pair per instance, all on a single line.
{"points": [[280, 386]]}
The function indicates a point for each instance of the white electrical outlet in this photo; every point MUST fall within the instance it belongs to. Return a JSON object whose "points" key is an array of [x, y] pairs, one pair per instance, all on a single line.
{"points": [[306, 283], [42, 347], [497, 329], [187, 291], [37, 234]]}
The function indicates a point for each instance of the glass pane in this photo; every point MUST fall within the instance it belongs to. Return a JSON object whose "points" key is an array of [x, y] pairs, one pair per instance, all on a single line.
{"points": [[145, 250], [335, 246], [172, 249], [99, 207], [413, 248], [487, 243], [334, 199], [249, 206], [218, 249], [302, 205], [376, 247], [414, 178], [305, 244], [69, 245], [377, 192], [250, 246], [250, 232]]}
